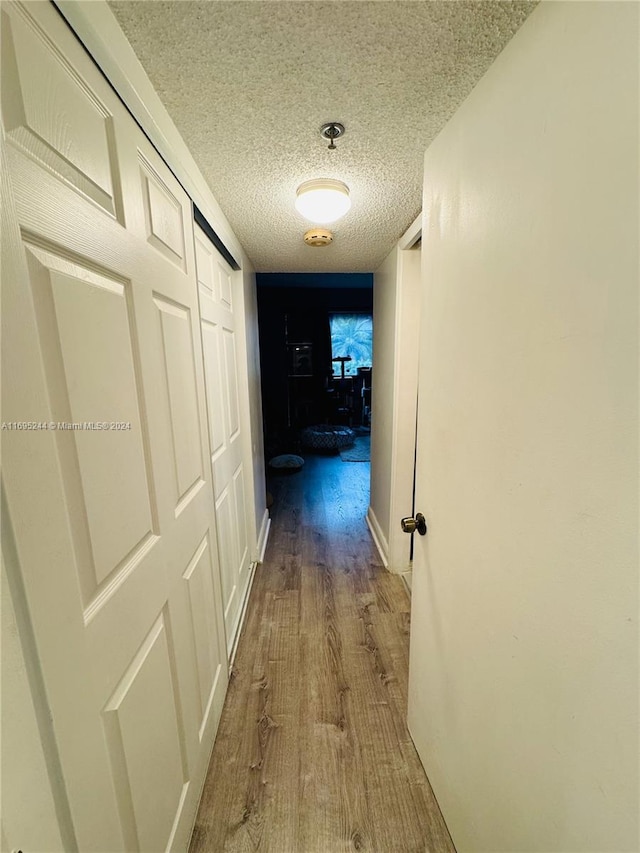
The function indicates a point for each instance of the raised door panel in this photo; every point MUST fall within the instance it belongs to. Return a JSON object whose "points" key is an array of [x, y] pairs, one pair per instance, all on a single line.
{"points": [[179, 369], [224, 292], [62, 124], [24, 774], [214, 376], [198, 579], [84, 326], [205, 265], [225, 513], [241, 531], [164, 215], [233, 411], [142, 731]]}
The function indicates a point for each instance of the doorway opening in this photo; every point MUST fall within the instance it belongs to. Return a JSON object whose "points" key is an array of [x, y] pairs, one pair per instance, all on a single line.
{"points": [[315, 356]]}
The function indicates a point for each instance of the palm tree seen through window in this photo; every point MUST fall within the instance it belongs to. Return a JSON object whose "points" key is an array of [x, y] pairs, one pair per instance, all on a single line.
{"points": [[351, 335]]}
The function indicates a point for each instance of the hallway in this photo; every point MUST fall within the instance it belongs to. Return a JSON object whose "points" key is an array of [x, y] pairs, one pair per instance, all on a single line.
{"points": [[312, 753]]}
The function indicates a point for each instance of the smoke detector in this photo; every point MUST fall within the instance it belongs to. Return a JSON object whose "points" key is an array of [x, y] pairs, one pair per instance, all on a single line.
{"points": [[318, 237]]}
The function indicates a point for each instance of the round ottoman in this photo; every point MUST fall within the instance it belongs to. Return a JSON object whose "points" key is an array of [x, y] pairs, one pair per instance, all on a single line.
{"points": [[286, 463], [327, 437]]}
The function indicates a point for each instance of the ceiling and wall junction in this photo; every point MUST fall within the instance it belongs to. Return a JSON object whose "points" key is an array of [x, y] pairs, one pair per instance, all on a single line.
{"points": [[249, 84]]}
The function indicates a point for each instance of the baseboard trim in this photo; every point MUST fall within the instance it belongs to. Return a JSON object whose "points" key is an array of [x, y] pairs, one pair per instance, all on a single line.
{"points": [[265, 528], [406, 577], [242, 614], [378, 537]]}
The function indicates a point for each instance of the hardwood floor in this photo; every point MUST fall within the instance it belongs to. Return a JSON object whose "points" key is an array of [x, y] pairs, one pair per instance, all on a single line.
{"points": [[313, 754]]}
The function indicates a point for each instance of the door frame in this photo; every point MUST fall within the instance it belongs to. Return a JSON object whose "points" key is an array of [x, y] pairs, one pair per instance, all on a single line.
{"points": [[405, 411], [394, 402]]}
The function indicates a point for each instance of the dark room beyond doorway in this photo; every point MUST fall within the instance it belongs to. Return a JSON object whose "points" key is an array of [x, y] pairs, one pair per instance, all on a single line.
{"points": [[304, 382]]}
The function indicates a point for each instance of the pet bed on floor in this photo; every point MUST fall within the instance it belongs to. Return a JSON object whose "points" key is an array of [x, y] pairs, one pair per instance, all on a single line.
{"points": [[286, 463], [327, 437]]}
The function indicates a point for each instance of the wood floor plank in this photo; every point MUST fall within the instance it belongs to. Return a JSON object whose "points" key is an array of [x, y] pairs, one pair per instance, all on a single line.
{"points": [[313, 754]]}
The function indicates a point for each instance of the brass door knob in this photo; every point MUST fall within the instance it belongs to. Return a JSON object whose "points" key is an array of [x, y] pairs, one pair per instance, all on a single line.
{"points": [[411, 524]]}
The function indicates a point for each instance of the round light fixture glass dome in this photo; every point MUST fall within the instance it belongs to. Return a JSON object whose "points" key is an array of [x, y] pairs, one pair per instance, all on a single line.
{"points": [[323, 200]]}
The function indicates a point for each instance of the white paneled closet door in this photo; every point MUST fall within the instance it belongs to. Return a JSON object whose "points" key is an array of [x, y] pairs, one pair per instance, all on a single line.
{"points": [[219, 340], [112, 518]]}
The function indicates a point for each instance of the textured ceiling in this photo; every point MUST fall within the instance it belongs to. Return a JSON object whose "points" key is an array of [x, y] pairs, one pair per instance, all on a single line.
{"points": [[248, 85]]}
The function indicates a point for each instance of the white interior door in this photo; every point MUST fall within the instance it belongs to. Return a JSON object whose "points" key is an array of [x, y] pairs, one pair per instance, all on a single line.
{"points": [[106, 453], [219, 340], [523, 696]]}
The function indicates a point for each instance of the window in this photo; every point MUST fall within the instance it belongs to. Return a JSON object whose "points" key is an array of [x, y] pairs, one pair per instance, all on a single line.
{"points": [[351, 335]]}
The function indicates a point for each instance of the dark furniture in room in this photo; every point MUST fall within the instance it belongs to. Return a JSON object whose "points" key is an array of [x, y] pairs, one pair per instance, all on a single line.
{"points": [[298, 387]]}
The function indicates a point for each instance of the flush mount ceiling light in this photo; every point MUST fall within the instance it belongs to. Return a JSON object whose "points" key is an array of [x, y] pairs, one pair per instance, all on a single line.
{"points": [[323, 200]]}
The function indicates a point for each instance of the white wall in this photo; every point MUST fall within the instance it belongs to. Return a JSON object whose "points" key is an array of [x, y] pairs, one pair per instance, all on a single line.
{"points": [[385, 285], [396, 326], [528, 716], [255, 404]]}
